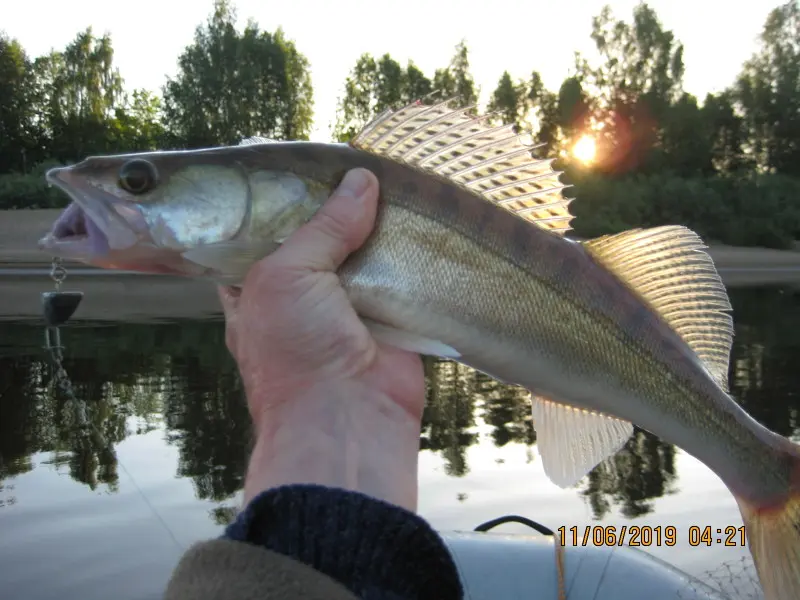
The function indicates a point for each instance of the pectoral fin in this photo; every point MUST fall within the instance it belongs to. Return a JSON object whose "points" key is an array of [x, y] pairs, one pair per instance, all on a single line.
{"points": [[230, 260], [409, 341], [573, 441]]}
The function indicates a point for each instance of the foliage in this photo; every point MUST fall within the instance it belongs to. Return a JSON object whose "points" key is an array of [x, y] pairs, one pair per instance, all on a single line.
{"points": [[30, 190], [69, 104], [758, 210], [455, 80], [218, 96], [375, 85], [372, 87], [768, 93], [20, 131], [723, 164]]}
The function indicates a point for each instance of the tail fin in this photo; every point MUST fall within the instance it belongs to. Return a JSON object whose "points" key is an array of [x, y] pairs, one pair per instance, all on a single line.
{"points": [[773, 535]]}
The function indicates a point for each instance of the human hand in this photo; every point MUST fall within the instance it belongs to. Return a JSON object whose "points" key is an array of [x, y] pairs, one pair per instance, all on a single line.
{"points": [[329, 403]]}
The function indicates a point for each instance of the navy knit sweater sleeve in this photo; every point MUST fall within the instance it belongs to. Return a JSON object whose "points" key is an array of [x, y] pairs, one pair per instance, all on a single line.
{"points": [[377, 550]]}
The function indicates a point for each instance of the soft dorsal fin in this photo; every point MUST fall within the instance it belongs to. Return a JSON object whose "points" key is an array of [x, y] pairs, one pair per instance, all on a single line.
{"points": [[490, 161], [250, 141], [670, 270]]}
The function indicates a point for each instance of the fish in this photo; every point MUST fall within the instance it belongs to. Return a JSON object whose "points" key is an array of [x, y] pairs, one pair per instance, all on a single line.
{"points": [[470, 260]]}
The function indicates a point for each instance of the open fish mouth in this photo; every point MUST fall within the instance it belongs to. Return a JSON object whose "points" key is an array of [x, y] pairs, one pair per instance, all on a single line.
{"points": [[75, 228], [92, 225]]}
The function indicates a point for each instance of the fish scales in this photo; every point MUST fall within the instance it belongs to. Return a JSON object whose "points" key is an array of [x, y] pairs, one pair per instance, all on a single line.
{"points": [[602, 306], [569, 291]]}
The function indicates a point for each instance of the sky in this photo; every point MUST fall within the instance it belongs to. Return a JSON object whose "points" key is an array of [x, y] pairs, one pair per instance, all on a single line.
{"points": [[514, 35]]}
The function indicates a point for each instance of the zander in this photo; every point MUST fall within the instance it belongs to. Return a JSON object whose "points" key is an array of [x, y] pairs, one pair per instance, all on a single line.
{"points": [[468, 261]]}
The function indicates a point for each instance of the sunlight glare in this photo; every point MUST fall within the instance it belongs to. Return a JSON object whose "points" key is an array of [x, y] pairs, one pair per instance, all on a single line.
{"points": [[585, 149]]}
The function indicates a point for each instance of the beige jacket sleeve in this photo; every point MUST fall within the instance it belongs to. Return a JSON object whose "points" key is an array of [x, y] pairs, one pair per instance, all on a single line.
{"points": [[228, 570]]}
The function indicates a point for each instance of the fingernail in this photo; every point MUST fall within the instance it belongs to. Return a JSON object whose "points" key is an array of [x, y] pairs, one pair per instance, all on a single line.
{"points": [[354, 184]]}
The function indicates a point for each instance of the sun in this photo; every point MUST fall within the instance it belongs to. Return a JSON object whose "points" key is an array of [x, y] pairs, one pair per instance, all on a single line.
{"points": [[585, 149]]}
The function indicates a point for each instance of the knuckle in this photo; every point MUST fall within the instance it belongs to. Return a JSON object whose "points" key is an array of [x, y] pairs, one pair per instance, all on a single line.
{"points": [[335, 224]]}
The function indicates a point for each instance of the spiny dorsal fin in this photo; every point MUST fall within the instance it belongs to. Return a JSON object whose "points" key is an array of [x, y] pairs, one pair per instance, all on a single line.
{"points": [[250, 141], [668, 267], [490, 161]]}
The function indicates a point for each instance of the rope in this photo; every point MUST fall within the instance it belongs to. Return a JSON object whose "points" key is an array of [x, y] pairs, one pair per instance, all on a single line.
{"points": [[562, 588]]}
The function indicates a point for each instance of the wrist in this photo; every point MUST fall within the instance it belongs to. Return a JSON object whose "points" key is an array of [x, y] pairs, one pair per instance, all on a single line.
{"points": [[339, 434]]}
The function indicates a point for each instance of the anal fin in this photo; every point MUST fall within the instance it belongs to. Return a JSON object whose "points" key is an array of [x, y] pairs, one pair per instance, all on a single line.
{"points": [[409, 341], [572, 441]]}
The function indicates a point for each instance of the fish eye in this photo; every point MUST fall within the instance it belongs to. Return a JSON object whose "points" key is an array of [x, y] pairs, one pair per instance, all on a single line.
{"points": [[138, 176]]}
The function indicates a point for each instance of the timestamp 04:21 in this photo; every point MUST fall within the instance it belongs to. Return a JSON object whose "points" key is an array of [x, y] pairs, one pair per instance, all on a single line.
{"points": [[647, 535]]}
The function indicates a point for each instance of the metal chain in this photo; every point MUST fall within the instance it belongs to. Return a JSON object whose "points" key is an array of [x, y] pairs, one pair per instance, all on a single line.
{"points": [[57, 272], [53, 344]]}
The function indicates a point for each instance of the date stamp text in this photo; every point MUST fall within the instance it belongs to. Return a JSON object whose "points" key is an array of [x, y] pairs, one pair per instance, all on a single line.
{"points": [[648, 535]]}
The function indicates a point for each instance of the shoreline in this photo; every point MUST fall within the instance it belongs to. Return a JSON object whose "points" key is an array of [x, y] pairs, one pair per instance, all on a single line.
{"points": [[127, 296], [20, 231]]}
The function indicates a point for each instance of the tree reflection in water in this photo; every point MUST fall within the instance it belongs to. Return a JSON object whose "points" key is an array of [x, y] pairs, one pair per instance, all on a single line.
{"points": [[178, 377]]}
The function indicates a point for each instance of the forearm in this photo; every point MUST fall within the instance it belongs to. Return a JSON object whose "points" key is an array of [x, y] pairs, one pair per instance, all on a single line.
{"points": [[332, 483], [346, 437]]}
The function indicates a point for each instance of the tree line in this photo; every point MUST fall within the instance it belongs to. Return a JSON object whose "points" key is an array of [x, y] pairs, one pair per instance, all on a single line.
{"points": [[727, 165]]}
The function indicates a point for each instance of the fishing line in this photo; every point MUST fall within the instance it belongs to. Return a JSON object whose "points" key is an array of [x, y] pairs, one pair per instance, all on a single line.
{"points": [[58, 306]]}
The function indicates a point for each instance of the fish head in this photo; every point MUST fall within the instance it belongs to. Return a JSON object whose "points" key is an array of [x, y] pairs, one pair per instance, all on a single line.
{"points": [[140, 212]]}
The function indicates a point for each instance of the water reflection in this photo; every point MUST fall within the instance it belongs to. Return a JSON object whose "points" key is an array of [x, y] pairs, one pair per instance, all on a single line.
{"points": [[133, 378], [642, 471]]}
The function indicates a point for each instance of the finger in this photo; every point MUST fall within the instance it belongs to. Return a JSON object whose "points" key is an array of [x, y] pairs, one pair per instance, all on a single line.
{"points": [[339, 228], [229, 298]]}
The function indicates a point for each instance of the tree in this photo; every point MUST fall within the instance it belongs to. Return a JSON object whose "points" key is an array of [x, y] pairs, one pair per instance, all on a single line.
{"points": [[509, 101], [137, 124], [529, 106], [640, 59], [299, 92], [83, 108], [638, 78], [768, 92], [727, 133], [545, 106], [80, 93], [574, 109], [417, 84], [20, 129], [373, 86], [359, 103], [231, 85], [687, 139], [456, 81]]}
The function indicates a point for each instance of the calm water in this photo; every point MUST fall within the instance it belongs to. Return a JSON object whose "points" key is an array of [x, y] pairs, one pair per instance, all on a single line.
{"points": [[101, 496]]}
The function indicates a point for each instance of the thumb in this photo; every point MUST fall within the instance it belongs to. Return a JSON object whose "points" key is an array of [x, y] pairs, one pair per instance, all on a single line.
{"points": [[339, 228]]}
